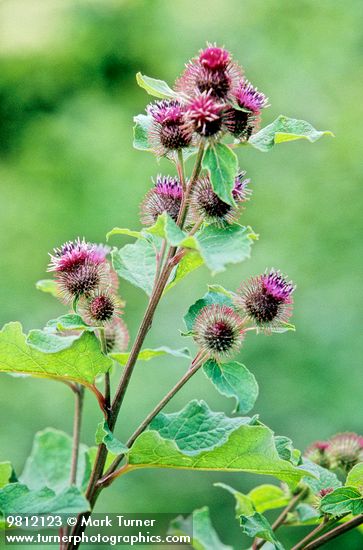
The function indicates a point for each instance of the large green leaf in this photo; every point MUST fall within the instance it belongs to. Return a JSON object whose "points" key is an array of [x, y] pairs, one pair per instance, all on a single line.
{"points": [[6, 471], [343, 500], [197, 438], [220, 246], [45, 355], [154, 87], [17, 498], [147, 354], [285, 129], [355, 477], [222, 165], [136, 263], [49, 464], [233, 380], [199, 527], [141, 132], [257, 525], [196, 428]]}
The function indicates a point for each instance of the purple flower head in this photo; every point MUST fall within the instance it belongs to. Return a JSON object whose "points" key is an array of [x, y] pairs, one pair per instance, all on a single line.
{"points": [[212, 72], [240, 191], [166, 196], [214, 58], [205, 114], [248, 97], [168, 131], [218, 331], [207, 204], [266, 300], [277, 286], [99, 308], [117, 336], [73, 254], [345, 450], [242, 118]]}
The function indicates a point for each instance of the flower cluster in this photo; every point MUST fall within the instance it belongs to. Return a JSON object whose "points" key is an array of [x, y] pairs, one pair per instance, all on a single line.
{"points": [[341, 451], [85, 277], [263, 302], [212, 98], [165, 196]]}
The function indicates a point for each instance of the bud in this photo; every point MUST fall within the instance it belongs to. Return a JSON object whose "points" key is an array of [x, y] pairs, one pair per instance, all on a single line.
{"points": [[166, 196], [205, 115], [212, 72], [116, 335], [99, 308], [345, 450], [317, 452], [206, 203], [168, 131], [266, 299], [218, 330], [81, 281], [242, 121]]}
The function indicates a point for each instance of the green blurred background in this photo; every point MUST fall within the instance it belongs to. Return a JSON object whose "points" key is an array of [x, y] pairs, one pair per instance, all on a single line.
{"points": [[67, 168]]}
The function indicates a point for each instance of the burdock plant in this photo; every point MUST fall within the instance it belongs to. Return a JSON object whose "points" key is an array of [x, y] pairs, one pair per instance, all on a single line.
{"points": [[189, 217]]}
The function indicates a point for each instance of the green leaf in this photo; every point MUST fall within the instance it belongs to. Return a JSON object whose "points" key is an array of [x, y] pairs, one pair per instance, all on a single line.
{"points": [[199, 527], [154, 87], [219, 289], [262, 498], [285, 129], [233, 380], [205, 429], [71, 321], [197, 438], [42, 355], [104, 435], [258, 526], [268, 497], [355, 477], [324, 478], [136, 263], [191, 261], [244, 505], [6, 472], [49, 464], [222, 165], [147, 354], [220, 246], [18, 499], [343, 500], [304, 514], [210, 298], [284, 447], [166, 228], [124, 231], [141, 132], [49, 286]]}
